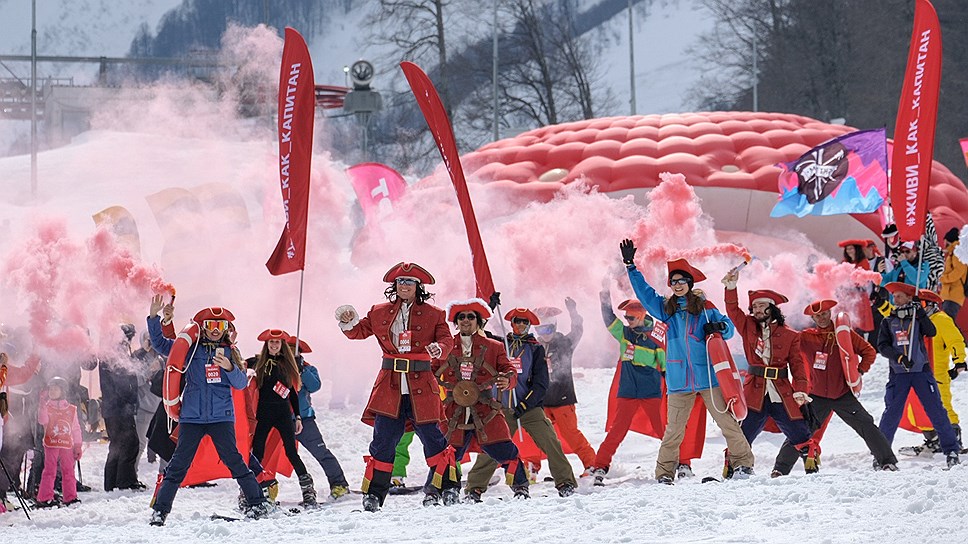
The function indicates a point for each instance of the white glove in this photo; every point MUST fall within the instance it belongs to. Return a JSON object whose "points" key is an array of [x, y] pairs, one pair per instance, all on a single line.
{"points": [[434, 350], [731, 278], [801, 398]]}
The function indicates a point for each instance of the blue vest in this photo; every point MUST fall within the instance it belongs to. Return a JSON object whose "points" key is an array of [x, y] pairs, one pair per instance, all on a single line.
{"points": [[525, 352], [915, 349]]}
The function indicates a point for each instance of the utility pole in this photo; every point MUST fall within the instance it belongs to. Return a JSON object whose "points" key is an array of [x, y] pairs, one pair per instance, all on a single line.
{"points": [[497, 113], [756, 78], [631, 62], [33, 98]]}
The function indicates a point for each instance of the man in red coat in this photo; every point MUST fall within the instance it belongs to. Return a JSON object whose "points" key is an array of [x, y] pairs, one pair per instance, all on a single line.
{"points": [[776, 385], [410, 332], [828, 387], [474, 370]]}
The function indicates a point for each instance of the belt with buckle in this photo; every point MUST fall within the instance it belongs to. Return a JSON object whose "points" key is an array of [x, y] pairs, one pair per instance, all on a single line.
{"points": [[400, 364], [769, 372]]}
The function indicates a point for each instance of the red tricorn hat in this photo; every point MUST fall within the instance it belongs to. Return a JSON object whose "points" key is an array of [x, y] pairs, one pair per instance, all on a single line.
{"points": [[896, 286], [854, 242], [767, 295], [303, 346], [930, 296], [818, 306], [408, 270], [213, 313], [522, 313], [472, 305], [683, 265], [632, 306], [269, 334]]}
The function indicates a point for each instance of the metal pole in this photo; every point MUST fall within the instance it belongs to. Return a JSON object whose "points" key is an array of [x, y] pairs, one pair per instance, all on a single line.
{"points": [[631, 62], [33, 98], [497, 131], [756, 98]]}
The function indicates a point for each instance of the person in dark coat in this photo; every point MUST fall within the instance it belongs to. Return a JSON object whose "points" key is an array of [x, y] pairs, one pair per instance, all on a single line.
{"points": [[119, 404]]}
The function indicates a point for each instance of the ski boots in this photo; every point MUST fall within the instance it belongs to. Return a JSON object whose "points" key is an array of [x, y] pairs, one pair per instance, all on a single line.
{"points": [[338, 491], [270, 488], [371, 503], [667, 480], [450, 496], [431, 499], [566, 490], [157, 518], [742, 473], [53, 503], [261, 510], [684, 471], [952, 459], [474, 494], [308, 491], [521, 492], [599, 474]]}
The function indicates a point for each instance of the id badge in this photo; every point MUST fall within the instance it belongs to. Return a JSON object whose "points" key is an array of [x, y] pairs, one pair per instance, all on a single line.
{"points": [[760, 348], [403, 341], [466, 370], [820, 361], [902, 338], [516, 363], [629, 352], [281, 390], [212, 373], [659, 333]]}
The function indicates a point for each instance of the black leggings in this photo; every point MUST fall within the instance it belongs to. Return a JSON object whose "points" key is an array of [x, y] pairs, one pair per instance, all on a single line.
{"points": [[279, 417]]}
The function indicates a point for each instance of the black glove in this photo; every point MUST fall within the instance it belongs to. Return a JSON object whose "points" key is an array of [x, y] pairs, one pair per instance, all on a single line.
{"points": [[714, 327], [628, 252], [495, 300], [519, 410], [904, 361], [959, 367]]}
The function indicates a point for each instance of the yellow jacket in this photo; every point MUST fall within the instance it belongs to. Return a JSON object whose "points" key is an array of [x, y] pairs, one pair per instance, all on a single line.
{"points": [[949, 344], [953, 277]]}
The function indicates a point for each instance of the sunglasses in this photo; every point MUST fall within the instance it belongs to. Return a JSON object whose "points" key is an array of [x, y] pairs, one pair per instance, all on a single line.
{"points": [[632, 317], [406, 281], [679, 281], [466, 317], [215, 325], [519, 321]]}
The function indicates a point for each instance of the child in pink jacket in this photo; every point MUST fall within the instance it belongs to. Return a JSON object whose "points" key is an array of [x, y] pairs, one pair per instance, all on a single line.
{"points": [[62, 444]]}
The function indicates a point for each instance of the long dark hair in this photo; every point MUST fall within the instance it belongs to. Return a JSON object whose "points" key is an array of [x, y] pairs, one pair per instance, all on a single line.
{"points": [[775, 315], [858, 254], [421, 296], [695, 302], [286, 362]]}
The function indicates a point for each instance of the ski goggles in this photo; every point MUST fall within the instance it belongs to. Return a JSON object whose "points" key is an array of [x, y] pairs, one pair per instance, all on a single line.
{"points": [[406, 281], [679, 281], [544, 329], [215, 325]]}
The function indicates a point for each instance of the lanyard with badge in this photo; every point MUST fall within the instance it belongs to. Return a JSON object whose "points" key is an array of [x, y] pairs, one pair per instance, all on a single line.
{"points": [[213, 372]]}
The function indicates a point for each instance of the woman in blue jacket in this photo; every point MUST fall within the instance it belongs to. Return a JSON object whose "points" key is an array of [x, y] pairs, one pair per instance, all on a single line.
{"points": [[690, 318], [213, 369]]}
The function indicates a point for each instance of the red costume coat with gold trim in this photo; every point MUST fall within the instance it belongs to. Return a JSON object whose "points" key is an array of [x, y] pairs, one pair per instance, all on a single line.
{"points": [[494, 355], [784, 353], [428, 324]]}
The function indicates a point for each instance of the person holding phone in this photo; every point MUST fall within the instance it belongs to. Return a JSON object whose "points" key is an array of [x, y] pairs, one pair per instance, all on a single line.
{"points": [[213, 367]]}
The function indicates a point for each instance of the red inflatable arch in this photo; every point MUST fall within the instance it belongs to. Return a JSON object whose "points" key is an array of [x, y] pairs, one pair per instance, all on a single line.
{"points": [[727, 157]]}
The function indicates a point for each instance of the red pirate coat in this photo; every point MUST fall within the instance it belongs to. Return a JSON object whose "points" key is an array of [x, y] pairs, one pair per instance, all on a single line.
{"points": [[494, 358], [827, 376], [784, 355], [427, 324]]}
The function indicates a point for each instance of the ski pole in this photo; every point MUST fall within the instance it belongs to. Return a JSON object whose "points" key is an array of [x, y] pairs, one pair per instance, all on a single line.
{"points": [[16, 490]]}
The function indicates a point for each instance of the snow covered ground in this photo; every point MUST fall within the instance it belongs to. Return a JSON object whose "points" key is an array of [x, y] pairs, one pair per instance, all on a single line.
{"points": [[845, 502]]}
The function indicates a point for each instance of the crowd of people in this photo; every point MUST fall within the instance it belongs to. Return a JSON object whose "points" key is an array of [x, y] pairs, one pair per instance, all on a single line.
{"points": [[466, 389]]}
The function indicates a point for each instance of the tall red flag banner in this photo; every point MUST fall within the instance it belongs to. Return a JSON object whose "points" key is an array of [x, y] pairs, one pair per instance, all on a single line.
{"points": [[297, 111], [436, 116], [914, 129]]}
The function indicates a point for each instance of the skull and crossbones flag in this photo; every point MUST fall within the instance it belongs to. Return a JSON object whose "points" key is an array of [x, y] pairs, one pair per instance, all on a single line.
{"points": [[847, 174]]}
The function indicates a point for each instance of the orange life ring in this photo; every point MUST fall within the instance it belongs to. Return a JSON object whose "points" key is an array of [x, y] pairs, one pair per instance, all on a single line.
{"points": [[171, 393], [729, 380], [842, 330]]}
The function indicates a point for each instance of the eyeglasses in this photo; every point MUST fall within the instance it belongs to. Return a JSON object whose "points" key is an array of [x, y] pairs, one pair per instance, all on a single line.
{"points": [[466, 317], [406, 281], [679, 281], [215, 325]]}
